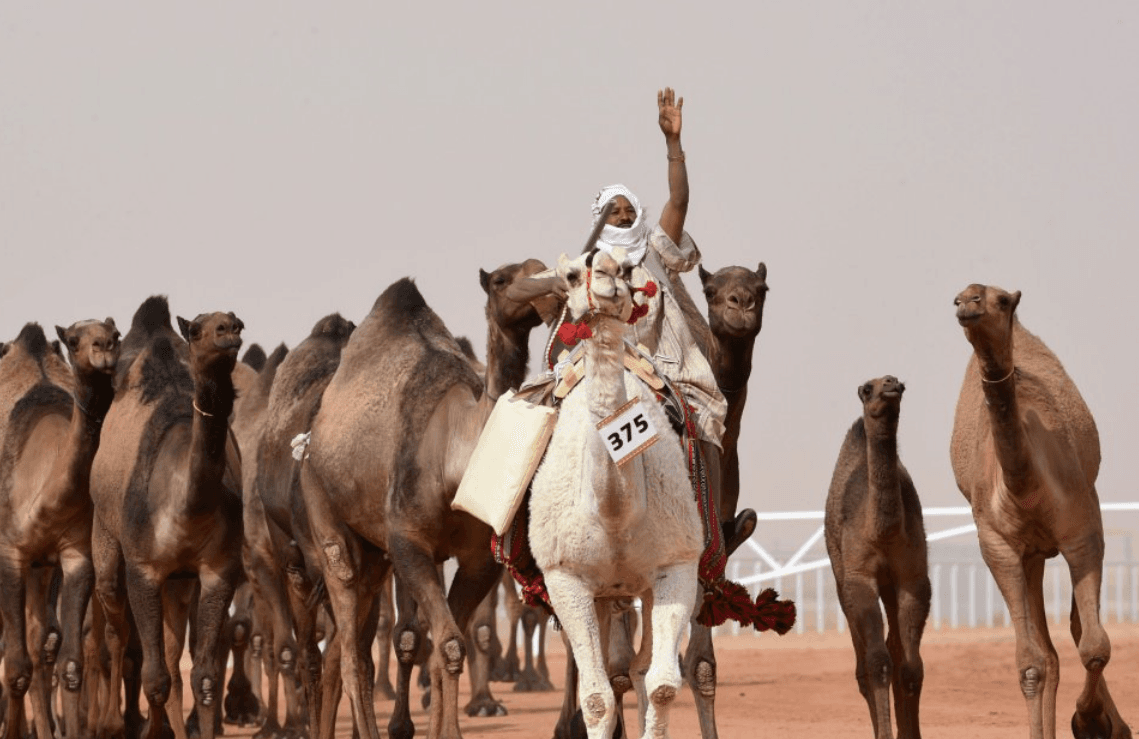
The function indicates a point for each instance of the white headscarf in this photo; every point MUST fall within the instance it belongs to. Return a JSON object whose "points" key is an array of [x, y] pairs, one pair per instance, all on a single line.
{"points": [[635, 239]]}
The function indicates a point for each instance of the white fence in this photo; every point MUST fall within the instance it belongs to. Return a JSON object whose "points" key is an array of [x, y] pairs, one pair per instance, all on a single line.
{"points": [[964, 593]]}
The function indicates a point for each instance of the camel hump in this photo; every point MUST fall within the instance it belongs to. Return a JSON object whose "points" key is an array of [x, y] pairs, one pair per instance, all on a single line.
{"points": [[255, 357], [33, 341], [152, 316], [401, 298], [163, 371]]}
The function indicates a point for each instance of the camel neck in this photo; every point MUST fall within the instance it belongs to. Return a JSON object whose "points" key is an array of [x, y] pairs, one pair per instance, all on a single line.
{"points": [[885, 489], [212, 403], [605, 365], [733, 364], [1009, 440], [507, 358], [92, 397]]}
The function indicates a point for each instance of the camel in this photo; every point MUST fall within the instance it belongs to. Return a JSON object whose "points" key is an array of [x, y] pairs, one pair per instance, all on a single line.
{"points": [[166, 487], [589, 517], [395, 430], [50, 428], [1025, 454], [277, 529], [876, 541], [736, 297]]}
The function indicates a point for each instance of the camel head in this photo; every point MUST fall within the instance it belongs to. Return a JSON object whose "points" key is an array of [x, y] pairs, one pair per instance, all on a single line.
{"points": [[736, 296], [509, 314], [93, 346], [598, 283], [881, 397], [214, 339], [987, 314]]}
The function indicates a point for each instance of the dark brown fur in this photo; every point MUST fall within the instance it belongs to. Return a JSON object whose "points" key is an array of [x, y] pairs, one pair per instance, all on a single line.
{"points": [[876, 541]]}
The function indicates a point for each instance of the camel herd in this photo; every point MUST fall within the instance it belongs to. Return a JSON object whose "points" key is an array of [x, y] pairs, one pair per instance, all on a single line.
{"points": [[157, 473]]}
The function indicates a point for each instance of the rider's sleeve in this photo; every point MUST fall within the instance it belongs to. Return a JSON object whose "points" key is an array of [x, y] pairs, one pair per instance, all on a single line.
{"points": [[676, 257]]}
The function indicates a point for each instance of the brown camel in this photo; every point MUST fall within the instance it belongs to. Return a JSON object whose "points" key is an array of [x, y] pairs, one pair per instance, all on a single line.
{"points": [[1026, 454], [167, 493], [277, 530], [396, 427], [876, 542], [50, 428]]}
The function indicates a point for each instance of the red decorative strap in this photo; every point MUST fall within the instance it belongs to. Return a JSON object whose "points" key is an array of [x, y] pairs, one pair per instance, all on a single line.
{"points": [[571, 333]]}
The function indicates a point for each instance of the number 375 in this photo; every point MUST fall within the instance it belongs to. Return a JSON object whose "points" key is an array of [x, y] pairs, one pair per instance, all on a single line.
{"points": [[615, 439]]}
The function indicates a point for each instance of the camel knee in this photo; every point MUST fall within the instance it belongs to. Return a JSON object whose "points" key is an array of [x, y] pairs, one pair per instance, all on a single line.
{"points": [[482, 638], [913, 675], [879, 667], [51, 645], [704, 679], [157, 689], [338, 563], [406, 646], [72, 677], [18, 672], [596, 707], [453, 653], [1032, 680]]}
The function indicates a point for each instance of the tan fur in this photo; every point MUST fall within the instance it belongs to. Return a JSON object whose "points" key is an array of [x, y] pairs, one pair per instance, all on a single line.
{"points": [[50, 429], [1025, 453], [397, 424], [167, 495]]}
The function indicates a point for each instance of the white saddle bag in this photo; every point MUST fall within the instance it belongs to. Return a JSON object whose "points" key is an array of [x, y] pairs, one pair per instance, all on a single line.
{"points": [[507, 455]]}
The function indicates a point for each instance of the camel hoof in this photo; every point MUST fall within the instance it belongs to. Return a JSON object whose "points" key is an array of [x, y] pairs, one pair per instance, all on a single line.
{"points": [[485, 708]]}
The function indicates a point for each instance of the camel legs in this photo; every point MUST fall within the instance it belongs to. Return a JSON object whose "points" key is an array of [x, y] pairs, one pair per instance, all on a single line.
{"points": [[907, 608], [17, 662], [385, 625], [1096, 714], [666, 613], [859, 597], [207, 674], [75, 595], [480, 647], [144, 591], [1021, 584], [573, 602]]}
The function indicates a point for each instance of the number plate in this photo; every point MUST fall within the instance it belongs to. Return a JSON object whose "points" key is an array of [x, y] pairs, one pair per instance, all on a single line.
{"points": [[628, 432]]}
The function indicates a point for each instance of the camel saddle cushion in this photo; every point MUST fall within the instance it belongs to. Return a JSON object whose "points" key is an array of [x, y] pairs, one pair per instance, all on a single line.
{"points": [[504, 460]]}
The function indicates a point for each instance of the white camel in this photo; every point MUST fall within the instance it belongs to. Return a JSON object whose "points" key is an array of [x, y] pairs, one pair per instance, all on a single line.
{"points": [[601, 531]]}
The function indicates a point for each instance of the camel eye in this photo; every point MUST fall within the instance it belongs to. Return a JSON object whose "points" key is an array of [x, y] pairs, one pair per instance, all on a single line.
{"points": [[709, 293], [1003, 301], [573, 277]]}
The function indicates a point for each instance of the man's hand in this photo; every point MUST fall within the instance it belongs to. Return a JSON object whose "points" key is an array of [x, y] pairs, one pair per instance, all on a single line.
{"points": [[669, 106]]}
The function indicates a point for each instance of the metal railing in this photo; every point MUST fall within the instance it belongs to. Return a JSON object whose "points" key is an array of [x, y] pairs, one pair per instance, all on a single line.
{"points": [[972, 598]]}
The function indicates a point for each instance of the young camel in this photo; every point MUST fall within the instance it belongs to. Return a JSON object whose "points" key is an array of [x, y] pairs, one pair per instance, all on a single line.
{"points": [[589, 518], [167, 492], [50, 428], [1026, 454], [876, 542]]}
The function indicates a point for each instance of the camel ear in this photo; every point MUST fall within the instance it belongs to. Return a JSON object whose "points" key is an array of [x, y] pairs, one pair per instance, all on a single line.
{"points": [[864, 392], [1015, 298], [61, 332], [563, 260], [484, 280], [184, 326], [761, 270], [704, 274], [110, 322], [3, 348], [237, 321]]}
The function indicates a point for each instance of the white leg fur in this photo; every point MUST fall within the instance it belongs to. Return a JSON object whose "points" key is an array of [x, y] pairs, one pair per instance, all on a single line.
{"points": [[673, 595], [573, 602]]}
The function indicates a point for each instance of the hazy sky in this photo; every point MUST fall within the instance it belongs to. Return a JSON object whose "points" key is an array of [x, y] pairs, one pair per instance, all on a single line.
{"points": [[287, 160]]}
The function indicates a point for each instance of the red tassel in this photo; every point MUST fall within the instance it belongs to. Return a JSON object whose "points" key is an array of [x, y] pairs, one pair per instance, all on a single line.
{"points": [[639, 312], [650, 289], [570, 333]]}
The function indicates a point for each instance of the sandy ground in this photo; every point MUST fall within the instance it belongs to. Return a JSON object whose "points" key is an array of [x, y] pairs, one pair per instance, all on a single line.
{"points": [[799, 685]]}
